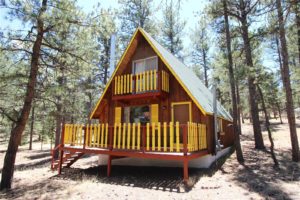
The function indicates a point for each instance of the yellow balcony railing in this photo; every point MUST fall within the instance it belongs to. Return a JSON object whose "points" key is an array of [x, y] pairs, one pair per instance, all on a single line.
{"points": [[147, 81]]}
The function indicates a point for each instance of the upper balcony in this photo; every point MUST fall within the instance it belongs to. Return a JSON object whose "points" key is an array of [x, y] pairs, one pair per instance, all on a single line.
{"points": [[150, 83]]}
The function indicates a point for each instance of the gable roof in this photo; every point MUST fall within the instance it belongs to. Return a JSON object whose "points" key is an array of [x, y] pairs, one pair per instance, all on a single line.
{"points": [[194, 87]]}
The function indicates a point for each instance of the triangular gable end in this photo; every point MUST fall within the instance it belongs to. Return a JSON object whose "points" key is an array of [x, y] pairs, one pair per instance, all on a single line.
{"points": [[139, 30], [159, 50]]}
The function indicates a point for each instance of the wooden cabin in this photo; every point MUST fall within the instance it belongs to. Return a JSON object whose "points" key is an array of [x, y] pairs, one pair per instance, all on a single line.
{"points": [[153, 107]]}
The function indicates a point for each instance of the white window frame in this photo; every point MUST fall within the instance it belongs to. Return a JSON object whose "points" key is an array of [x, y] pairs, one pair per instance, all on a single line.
{"points": [[144, 59]]}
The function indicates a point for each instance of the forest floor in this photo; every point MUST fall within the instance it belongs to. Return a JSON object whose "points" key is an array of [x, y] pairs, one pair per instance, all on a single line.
{"points": [[256, 179]]}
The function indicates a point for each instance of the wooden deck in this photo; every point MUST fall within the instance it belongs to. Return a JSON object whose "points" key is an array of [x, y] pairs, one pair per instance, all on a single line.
{"points": [[172, 141]]}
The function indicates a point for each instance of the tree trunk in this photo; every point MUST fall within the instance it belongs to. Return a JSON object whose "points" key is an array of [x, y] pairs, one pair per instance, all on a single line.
{"points": [[268, 127], [16, 132], [279, 55], [287, 84], [259, 142], [279, 112], [31, 128], [239, 153], [58, 127], [205, 67], [58, 119], [296, 7], [106, 62], [238, 101]]}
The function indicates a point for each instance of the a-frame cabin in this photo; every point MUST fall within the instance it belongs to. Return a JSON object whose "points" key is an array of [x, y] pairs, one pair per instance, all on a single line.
{"points": [[152, 107]]}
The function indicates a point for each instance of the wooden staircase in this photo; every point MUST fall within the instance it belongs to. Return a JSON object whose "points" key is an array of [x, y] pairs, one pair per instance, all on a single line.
{"points": [[68, 159]]}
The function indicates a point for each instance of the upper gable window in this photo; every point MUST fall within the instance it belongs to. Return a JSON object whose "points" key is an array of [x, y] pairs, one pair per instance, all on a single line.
{"points": [[144, 65]]}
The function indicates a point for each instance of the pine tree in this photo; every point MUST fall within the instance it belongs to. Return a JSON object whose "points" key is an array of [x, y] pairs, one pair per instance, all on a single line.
{"points": [[172, 27], [201, 41], [241, 10], [237, 143], [134, 14]]}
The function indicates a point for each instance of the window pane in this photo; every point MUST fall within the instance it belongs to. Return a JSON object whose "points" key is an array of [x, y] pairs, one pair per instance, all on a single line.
{"points": [[139, 66], [140, 114], [151, 63], [145, 65]]}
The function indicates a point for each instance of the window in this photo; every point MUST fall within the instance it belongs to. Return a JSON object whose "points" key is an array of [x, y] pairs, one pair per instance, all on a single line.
{"points": [[143, 114], [144, 65], [137, 114]]}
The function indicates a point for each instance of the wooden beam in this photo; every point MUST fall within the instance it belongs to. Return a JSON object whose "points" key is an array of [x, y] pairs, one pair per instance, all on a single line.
{"points": [[185, 170]]}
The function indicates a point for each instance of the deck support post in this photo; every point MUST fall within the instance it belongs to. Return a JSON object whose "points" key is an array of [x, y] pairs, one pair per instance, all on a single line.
{"points": [[60, 161], [109, 165], [61, 149], [185, 170]]}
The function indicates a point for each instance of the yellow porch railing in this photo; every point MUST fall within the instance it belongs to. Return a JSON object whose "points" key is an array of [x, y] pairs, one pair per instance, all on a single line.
{"points": [[127, 136], [73, 134], [196, 136], [97, 135], [161, 137], [164, 137]]}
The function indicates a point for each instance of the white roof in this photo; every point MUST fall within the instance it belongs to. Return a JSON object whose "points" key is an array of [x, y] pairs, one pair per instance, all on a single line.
{"points": [[200, 93]]}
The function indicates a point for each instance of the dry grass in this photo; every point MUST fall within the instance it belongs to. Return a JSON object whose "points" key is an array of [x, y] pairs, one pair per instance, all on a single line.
{"points": [[257, 179]]}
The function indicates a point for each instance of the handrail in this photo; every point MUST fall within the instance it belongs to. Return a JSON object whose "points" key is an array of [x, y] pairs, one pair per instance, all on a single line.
{"points": [[52, 154]]}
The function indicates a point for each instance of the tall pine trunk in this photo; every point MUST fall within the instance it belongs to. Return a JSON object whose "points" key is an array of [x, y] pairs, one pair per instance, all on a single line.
{"points": [[16, 132], [296, 9], [259, 142], [287, 84], [237, 144], [58, 126], [238, 101], [31, 128], [205, 67]]}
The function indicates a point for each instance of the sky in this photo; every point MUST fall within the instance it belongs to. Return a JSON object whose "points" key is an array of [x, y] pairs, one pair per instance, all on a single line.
{"points": [[189, 9]]}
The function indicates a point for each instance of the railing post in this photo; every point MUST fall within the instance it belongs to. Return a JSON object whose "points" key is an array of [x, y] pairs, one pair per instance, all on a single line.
{"points": [[159, 84], [84, 136], [185, 150], [63, 134], [134, 82]]}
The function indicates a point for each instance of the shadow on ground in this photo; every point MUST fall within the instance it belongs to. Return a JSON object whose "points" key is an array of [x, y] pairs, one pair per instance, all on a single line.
{"points": [[258, 173], [156, 178]]}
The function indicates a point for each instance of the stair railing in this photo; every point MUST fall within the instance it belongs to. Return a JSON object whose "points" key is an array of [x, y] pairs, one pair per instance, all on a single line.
{"points": [[52, 151]]}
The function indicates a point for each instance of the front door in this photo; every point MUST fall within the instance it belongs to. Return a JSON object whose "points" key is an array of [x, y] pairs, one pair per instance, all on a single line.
{"points": [[181, 112]]}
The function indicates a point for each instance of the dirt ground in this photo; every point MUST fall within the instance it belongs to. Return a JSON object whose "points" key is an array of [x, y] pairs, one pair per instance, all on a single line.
{"points": [[226, 179]]}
